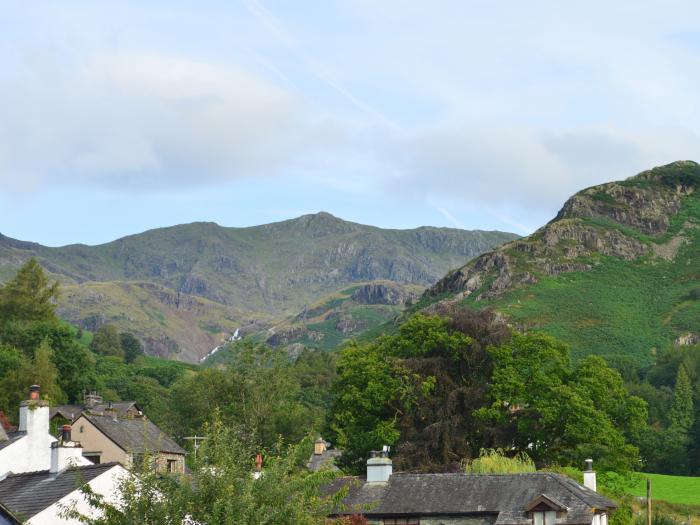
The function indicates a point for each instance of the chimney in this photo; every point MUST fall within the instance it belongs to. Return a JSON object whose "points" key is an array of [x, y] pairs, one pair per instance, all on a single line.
{"points": [[34, 414], [589, 476], [92, 399], [65, 452], [110, 411], [258, 466], [379, 466], [34, 420], [319, 447]]}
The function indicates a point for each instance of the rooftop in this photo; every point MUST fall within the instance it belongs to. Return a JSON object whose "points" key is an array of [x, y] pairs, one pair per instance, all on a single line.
{"points": [[135, 435], [27, 494], [503, 496], [9, 438]]}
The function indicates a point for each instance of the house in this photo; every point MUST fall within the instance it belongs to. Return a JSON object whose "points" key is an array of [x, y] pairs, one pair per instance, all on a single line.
{"points": [[94, 404], [41, 497], [109, 437], [29, 447], [537, 498], [323, 457]]}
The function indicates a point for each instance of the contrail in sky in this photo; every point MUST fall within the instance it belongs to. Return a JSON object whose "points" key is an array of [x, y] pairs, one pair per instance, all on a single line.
{"points": [[276, 27]]}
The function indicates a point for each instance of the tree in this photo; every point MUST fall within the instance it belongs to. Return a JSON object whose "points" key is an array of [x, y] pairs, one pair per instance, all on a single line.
{"points": [[40, 371], [559, 415], [29, 296], [221, 488], [131, 346], [682, 405], [106, 341]]}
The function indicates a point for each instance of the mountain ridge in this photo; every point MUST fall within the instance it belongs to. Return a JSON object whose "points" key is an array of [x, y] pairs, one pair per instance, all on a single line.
{"points": [[253, 274]]}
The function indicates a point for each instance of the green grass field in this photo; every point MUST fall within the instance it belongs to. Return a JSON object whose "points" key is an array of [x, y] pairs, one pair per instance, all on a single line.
{"points": [[672, 489]]}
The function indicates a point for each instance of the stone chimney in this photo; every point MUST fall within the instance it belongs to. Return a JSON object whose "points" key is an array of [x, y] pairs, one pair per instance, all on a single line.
{"points": [[319, 447], [92, 399], [589, 476], [65, 452], [379, 466]]}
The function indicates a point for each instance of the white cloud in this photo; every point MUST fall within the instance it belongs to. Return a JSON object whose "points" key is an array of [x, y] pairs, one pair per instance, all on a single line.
{"points": [[143, 120]]}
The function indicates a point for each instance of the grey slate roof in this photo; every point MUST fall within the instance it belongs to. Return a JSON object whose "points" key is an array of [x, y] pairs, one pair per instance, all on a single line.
{"points": [[135, 435], [27, 494], [502, 496], [11, 438], [73, 411], [69, 412], [325, 460]]}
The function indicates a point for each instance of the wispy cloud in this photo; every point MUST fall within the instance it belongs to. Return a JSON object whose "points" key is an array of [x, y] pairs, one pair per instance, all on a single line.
{"points": [[277, 29]]}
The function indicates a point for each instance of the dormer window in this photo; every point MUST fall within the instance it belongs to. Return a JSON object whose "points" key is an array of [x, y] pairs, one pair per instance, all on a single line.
{"points": [[543, 510]]}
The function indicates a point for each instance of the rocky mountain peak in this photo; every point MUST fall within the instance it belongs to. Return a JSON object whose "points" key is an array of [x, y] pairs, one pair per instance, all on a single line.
{"points": [[626, 219]]}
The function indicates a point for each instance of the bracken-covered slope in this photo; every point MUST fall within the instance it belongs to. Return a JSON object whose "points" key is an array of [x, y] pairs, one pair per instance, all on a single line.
{"points": [[183, 288], [616, 273]]}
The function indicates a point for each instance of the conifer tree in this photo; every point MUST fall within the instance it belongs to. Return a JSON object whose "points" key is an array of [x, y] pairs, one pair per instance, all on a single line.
{"points": [[682, 407], [29, 296]]}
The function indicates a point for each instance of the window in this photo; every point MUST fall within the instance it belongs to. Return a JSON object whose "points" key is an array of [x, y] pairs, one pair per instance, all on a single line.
{"points": [[401, 521], [548, 517], [92, 456]]}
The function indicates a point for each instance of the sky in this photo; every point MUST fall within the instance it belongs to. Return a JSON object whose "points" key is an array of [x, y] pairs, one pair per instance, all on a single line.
{"points": [[118, 117]]}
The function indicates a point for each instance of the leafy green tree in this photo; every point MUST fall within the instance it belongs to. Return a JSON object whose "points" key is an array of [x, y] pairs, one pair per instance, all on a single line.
{"points": [[41, 371], [131, 346], [559, 415], [29, 296], [106, 341], [221, 488], [260, 391]]}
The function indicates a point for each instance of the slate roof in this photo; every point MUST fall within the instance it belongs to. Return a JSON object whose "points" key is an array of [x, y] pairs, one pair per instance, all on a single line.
{"points": [[325, 460], [27, 494], [74, 411], [503, 496], [11, 438], [69, 412], [135, 435]]}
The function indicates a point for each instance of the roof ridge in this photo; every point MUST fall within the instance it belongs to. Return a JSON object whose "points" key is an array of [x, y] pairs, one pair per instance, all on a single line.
{"points": [[74, 468], [560, 478]]}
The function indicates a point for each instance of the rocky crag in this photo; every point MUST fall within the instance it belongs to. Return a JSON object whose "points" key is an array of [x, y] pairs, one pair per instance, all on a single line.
{"points": [[636, 240]]}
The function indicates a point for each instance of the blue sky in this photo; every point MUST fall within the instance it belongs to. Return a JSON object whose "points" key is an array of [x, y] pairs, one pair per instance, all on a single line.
{"points": [[117, 117]]}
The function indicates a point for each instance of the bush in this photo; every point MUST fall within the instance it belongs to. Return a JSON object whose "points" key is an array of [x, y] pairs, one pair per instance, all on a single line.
{"points": [[659, 519], [495, 461]]}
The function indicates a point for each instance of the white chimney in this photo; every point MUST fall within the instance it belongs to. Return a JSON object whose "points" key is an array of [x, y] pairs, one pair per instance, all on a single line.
{"points": [[34, 414], [379, 467], [589, 476], [65, 452]]}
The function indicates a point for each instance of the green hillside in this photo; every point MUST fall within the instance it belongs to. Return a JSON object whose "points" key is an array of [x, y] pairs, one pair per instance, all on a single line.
{"points": [[185, 288], [341, 316], [616, 273]]}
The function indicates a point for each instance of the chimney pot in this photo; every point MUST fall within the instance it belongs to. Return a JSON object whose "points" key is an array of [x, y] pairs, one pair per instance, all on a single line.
{"points": [[34, 392], [65, 433], [258, 462]]}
